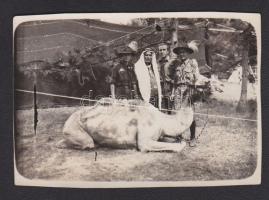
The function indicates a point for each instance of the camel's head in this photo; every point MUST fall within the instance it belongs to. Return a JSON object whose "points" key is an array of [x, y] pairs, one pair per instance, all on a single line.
{"points": [[216, 85], [207, 86]]}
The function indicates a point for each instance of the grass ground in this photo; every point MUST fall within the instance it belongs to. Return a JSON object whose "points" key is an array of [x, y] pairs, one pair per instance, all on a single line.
{"points": [[227, 149]]}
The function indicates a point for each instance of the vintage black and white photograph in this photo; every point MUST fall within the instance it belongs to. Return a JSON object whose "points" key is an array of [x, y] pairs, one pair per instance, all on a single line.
{"points": [[137, 99]]}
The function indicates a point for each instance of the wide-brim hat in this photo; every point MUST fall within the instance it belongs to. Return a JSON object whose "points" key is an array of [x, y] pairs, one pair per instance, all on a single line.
{"points": [[183, 47], [125, 51]]}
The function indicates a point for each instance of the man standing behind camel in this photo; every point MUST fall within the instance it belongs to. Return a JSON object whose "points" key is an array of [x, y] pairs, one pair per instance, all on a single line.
{"points": [[185, 78], [124, 83], [166, 75], [147, 74]]}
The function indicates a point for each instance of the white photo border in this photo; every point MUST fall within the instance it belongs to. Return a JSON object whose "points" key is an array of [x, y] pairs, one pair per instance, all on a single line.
{"points": [[255, 179]]}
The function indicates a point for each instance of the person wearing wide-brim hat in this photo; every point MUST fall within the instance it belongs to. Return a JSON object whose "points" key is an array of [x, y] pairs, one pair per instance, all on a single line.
{"points": [[183, 47], [124, 51], [123, 83], [186, 74]]}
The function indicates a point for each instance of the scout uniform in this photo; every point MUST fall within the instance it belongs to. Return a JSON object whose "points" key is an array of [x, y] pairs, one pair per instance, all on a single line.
{"points": [[124, 79], [186, 75]]}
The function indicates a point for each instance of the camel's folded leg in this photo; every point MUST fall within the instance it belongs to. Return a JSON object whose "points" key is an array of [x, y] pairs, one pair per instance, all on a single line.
{"points": [[161, 146], [71, 141]]}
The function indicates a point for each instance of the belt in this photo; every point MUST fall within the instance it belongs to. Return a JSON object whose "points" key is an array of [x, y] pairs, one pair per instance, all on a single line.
{"points": [[185, 84], [122, 85], [191, 85]]}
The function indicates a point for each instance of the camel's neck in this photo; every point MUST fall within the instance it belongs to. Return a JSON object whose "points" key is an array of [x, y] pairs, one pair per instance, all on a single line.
{"points": [[174, 125]]}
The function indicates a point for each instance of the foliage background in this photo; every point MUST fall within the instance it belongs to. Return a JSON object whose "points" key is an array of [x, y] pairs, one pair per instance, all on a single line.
{"points": [[71, 57]]}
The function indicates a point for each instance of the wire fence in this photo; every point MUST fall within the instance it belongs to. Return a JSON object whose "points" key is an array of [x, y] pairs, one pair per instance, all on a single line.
{"points": [[125, 103]]}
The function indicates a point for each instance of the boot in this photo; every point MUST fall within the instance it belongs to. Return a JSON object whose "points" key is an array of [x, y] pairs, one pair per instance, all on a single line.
{"points": [[192, 138]]}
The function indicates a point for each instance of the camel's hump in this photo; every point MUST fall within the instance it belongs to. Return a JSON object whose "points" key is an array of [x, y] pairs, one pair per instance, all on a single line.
{"points": [[121, 102], [111, 106]]}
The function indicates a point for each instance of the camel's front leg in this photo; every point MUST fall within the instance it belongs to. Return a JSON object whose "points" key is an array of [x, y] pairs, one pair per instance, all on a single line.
{"points": [[148, 141], [161, 146]]}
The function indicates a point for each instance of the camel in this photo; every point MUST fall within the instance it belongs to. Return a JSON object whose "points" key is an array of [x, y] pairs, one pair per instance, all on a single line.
{"points": [[125, 124], [129, 124]]}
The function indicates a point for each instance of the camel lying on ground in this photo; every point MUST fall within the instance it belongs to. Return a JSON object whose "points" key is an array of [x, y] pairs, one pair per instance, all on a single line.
{"points": [[125, 124]]}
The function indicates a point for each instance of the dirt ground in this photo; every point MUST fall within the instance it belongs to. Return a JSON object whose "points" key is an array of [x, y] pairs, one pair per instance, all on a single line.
{"points": [[227, 149]]}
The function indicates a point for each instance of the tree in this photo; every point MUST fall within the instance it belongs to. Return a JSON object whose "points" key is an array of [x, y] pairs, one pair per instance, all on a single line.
{"points": [[248, 40]]}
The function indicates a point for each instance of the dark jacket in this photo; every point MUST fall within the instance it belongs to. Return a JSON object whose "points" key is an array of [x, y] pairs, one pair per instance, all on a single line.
{"points": [[124, 79]]}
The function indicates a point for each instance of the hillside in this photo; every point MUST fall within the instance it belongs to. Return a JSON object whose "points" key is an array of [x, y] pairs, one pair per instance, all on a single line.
{"points": [[42, 40]]}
